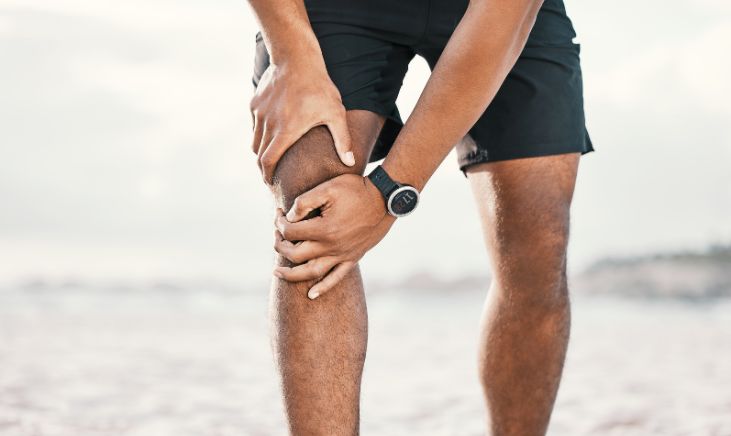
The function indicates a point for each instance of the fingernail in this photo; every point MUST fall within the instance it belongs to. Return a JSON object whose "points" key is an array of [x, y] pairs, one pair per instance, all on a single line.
{"points": [[278, 274], [313, 294], [290, 216], [349, 159]]}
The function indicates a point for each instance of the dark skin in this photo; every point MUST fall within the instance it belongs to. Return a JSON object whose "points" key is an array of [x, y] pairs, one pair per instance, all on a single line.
{"points": [[337, 216]]}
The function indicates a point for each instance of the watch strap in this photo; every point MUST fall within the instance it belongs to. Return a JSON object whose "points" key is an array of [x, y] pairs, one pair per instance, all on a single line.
{"points": [[383, 181]]}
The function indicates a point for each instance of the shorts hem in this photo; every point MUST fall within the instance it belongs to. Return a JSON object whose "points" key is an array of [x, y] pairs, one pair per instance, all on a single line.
{"points": [[540, 150]]}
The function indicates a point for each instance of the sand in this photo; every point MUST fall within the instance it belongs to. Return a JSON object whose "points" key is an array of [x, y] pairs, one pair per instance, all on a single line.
{"points": [[148, 362]]}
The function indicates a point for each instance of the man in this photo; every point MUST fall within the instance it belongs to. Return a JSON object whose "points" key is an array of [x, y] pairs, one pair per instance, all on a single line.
{"points": [[506, 87]]}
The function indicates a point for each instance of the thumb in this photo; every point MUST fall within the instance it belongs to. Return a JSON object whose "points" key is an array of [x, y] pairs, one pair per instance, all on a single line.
{"points": [[341, 136], [306, 203]]}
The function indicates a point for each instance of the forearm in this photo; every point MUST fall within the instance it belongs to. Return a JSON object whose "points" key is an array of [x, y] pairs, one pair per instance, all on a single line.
{"points": [[475, 62], [286, 31]]}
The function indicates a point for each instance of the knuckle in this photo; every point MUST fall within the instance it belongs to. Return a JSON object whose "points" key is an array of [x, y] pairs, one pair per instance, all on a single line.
{"points": [[267, 161], [297, 205], [280, 248], [298, 274], [317, 270], [284, 133], [329, 234]]}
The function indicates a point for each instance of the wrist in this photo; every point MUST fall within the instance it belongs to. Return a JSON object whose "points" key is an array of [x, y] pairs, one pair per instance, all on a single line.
{"points": [[299, 50], [375, 196], [403, 175]]}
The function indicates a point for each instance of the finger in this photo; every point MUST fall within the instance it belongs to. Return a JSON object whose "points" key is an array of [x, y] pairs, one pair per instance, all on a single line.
{"points": [[309, 201], [270, 158], [312, 270], [308, 230], [258, 131], [341, 136], [279, 212], [297, 253], [266, 138], [332, 279]]}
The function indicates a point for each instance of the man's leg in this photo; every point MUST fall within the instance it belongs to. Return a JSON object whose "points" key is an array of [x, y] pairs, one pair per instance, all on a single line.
{"points": [[320, 345], [524, 207]]}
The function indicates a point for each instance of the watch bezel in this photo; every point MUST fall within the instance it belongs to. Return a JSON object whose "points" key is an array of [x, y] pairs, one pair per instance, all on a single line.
{"points": [[397, 191]]}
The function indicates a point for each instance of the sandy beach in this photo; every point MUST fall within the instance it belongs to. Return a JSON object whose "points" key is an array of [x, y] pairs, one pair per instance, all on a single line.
{"points": [[158, 362]]}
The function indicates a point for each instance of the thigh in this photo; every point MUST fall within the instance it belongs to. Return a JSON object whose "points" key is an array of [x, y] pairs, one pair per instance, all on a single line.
{"points": [[524, 207]]}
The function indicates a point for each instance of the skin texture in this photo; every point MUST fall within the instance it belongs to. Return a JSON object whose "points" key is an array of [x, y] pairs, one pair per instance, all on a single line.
{"points": [[524, 210], [319, 346]]}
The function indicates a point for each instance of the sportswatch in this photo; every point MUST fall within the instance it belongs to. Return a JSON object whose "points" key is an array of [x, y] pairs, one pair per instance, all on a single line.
{"points": [[401, 200]]}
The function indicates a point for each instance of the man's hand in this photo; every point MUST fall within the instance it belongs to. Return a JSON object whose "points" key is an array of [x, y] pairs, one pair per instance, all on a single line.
{"points": [[352, 220], [291, 99]]}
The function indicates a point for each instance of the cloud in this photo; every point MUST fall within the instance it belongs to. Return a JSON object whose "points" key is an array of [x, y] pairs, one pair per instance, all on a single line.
{"points": [[693, 71]]}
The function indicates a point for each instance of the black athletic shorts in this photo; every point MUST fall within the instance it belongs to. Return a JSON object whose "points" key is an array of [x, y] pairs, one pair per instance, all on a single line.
{"points": [[368, 44]]}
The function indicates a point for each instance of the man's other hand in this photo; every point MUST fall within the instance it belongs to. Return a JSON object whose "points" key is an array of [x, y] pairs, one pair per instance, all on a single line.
{"points": [[352, 220], [291, 99]]}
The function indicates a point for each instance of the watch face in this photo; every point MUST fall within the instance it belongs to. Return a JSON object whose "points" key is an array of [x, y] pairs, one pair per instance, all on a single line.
{"points": [[403, 201]]}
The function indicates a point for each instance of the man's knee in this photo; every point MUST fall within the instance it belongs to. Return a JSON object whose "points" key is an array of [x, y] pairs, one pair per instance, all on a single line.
{"points": [[532, 258], [310, 161], [540, 235]]}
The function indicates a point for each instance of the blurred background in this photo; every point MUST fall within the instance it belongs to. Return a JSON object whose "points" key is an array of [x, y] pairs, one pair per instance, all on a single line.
{"points": [[135, 234]]}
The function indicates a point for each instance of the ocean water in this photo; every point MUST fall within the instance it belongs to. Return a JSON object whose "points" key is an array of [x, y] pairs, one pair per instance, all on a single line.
{"points": [[158, 361]]}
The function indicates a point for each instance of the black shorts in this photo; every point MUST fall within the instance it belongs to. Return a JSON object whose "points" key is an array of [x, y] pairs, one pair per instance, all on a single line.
{"points": [[368, 44]]}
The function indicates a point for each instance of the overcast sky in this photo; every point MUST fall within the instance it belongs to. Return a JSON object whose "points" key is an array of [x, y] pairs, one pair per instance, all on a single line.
{"points": [[124, 132]]}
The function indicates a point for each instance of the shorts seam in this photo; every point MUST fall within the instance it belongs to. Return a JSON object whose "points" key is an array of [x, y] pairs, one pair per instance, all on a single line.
{"points": [[426, 23], [370, 106]]}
